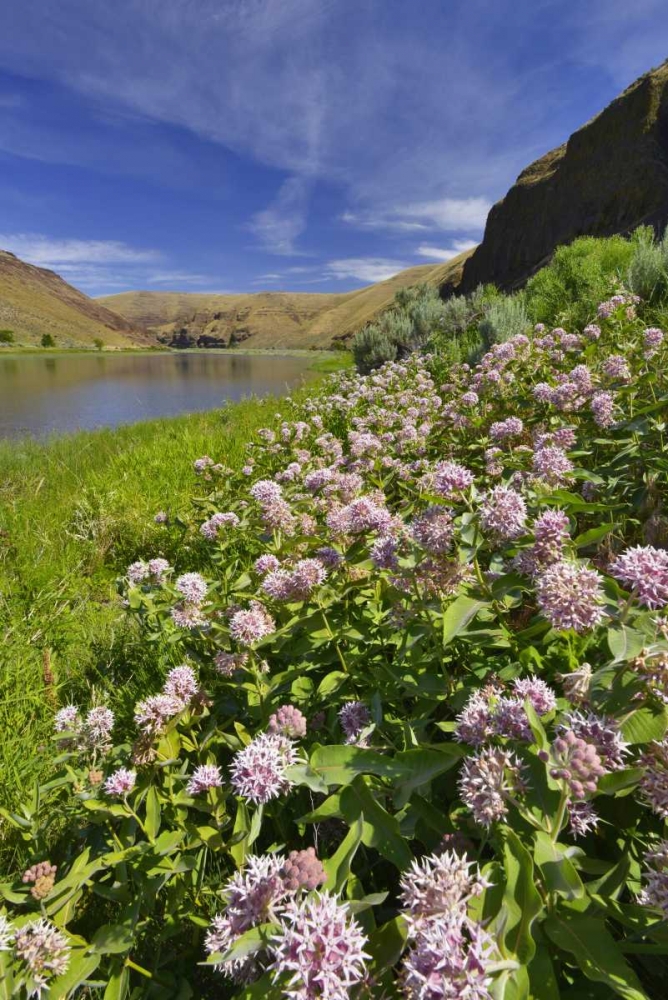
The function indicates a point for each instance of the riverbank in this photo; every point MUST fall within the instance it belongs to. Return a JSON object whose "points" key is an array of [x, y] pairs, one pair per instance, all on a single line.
{"points": [[74, 511]]}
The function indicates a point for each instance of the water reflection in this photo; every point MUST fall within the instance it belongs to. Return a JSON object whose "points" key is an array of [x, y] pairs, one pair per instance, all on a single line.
{"points": [[42, 395]]}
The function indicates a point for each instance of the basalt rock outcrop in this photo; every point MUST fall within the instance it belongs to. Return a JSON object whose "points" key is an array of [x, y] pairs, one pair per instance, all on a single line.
{"points": [[611, 176]]}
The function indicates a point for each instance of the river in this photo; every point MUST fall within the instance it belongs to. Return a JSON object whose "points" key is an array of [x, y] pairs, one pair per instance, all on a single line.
{"points": [[42, 394]]}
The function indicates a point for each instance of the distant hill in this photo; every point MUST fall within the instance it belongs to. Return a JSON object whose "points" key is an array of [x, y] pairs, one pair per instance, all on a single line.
{"points": [[272, 319], [34, 301], [611, 176]]}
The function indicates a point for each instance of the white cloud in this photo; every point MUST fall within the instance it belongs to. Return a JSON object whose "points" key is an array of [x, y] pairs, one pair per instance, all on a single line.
{"points": [[278, 226], [367, 269], [179, 277], [45, 251], [448, 214], [445, 253]]}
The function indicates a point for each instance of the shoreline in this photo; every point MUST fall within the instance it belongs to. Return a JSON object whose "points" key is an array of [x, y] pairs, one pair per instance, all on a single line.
{"points": [[50, 352]]}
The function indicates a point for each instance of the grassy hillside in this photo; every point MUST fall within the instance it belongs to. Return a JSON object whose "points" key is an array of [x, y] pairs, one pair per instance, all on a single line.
{"points": [[274, 319], [34, 302]]}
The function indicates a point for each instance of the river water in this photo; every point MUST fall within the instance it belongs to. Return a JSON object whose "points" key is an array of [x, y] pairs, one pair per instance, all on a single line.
{"points": [[47, 394]]}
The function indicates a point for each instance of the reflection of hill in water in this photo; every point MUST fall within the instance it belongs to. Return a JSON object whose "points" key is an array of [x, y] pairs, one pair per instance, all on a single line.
{"points": [[59, 393]]}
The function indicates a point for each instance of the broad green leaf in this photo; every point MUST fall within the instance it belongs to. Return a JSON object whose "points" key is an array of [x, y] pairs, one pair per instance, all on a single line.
{"points": [[625, 643], [152, 813], [542, 977], [303, 774], [557, 870], [118, 983], [331, 683], [247, 944], [340, 765], [337, 868], [386, 945], [521, 901], [423, 766], [593, 535], [379, 829], [595, 950], [112, 939], [81, 967], [645, 725], [458, 615]]}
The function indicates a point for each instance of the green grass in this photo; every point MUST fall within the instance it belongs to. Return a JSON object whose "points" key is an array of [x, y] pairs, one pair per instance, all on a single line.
{"points": [[74, 512]]}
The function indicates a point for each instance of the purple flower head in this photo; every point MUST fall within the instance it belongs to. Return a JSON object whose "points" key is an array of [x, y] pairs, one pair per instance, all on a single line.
{"points": [[502, 429], [540, 695], [95, 733], [550, 531], [451, 479], [318, 951], [652, 340], [211, 528], [247, 627], [258, 771], [602, 408], [577, 763], [510, 721], [162, 517], [644, 570], [44, 949], [449, 962], [266, 491], [485, 782], [203, 778], [503, 513], [616, 367], [288, 721], [137, 572], [67, 720], [433, 530], [303, 870], [439, 887], [655, 876], [354, 717], [266, 563], [601, 731], [592, 331], [120, 783], [181, 684], [227, 663], [582, 817], [384, 552], [188, 616], [158, 568], [551, 464], [474, 723], [153, 713], [193, 587], [570, 596]]}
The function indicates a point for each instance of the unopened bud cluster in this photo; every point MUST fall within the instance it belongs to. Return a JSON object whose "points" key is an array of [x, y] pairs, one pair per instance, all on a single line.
{"points": [[303, 870], [577, 763], [43, 877]]}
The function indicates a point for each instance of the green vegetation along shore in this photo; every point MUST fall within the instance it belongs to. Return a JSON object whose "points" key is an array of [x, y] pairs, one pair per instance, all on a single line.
{"points": [[73, 512]]}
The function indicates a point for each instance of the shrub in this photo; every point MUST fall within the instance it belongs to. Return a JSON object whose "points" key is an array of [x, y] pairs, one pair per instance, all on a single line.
{"points": [[648, 269], [580, 275], [47, 340], [6, 336], [372, 348], [98, 343], [504, 318]]}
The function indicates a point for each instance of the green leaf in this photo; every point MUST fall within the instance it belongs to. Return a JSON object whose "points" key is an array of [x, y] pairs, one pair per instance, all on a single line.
{"points": [[645, 725], [337, 868], [340, 765], [458, 615], [593, 535], [303, 774], [423, 766], [557, 870], [617, 781], [152, 813], [331, 683], [521, 901], [595, 951], [625, 643], [112, 939], [386, 945], [542, 978], [247, 944], [379, 829], [118, 983]]}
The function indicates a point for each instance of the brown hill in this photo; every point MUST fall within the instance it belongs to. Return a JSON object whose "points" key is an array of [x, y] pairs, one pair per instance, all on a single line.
{"points": [[34, 301], [272, 319], [611, 176]]}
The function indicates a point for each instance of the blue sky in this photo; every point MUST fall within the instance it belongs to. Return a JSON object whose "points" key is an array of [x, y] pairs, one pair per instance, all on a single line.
{"points": [[315, 145]]}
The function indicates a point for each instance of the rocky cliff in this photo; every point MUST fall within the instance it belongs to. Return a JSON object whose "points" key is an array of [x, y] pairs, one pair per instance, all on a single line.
{"points": [[611, 176]]}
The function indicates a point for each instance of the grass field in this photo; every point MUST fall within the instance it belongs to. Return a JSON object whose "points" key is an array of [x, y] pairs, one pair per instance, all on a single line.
{"points": [[74, 512]]}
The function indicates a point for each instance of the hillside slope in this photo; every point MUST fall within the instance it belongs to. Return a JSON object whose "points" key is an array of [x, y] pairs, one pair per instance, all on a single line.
{"points": [[611, 176], [34, 301], [272, 319]]}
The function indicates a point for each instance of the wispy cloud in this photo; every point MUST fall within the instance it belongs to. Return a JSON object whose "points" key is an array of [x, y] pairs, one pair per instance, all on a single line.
{"points": [[447, 214], [46, 251], [367, 269], [278, 226], [445, 253]]}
